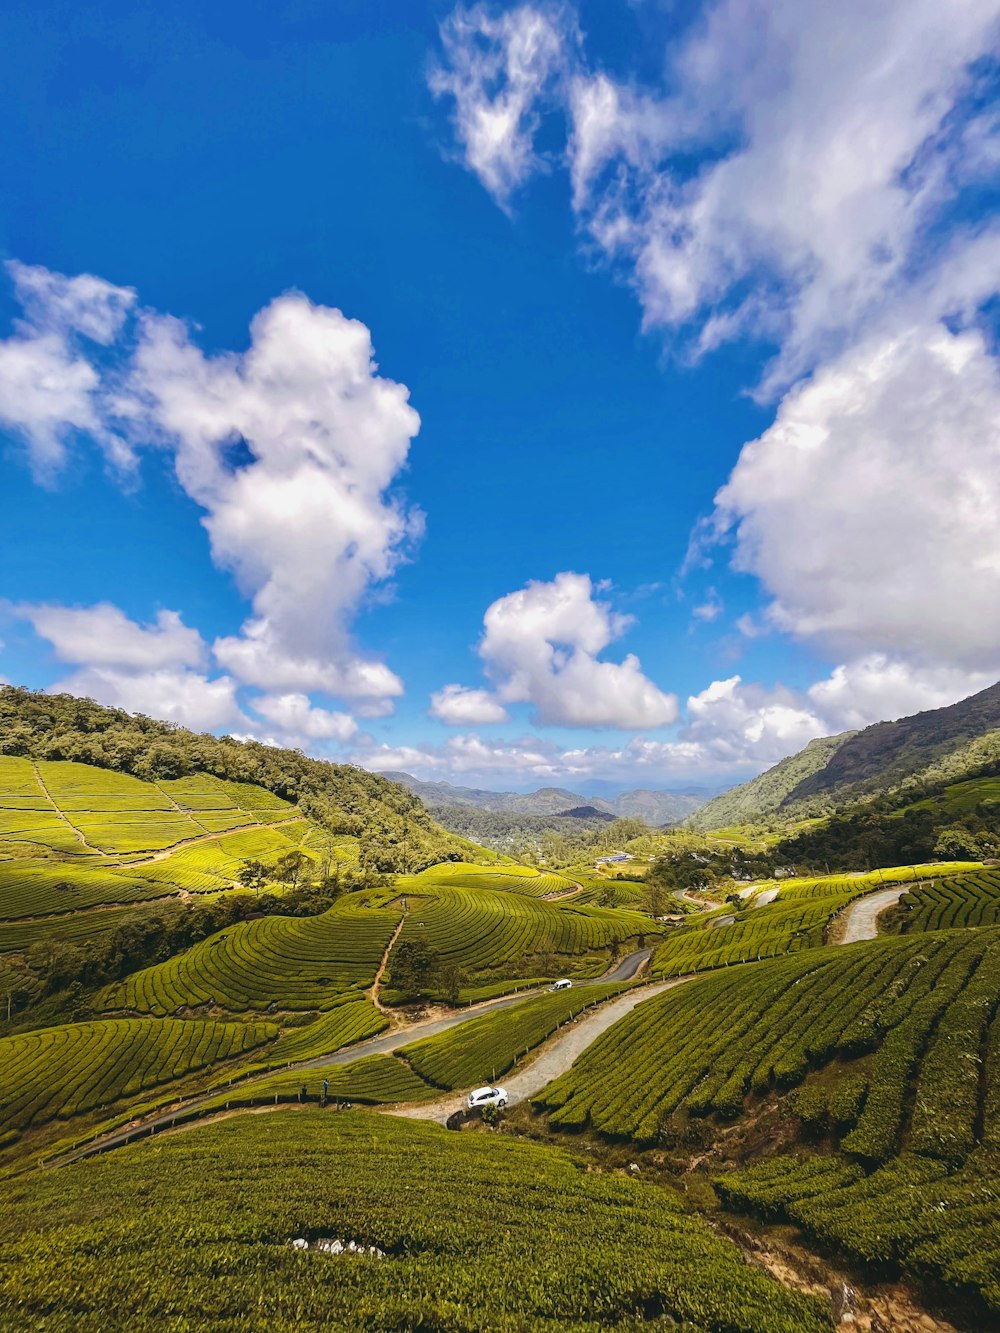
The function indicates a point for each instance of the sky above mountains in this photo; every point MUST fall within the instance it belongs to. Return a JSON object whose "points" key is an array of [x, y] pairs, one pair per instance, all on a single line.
{"points": [[504, 394]]}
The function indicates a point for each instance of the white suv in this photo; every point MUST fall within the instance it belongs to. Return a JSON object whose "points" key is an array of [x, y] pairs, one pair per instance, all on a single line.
{"points": [[488, 1096], [563, 984]]}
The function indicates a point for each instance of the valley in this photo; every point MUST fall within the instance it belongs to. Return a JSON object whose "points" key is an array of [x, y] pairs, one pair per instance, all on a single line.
{"points": [[784, 1089]]}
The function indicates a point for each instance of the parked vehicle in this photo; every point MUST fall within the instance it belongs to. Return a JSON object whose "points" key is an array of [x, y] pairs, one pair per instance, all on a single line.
{"points": [[563, 983], [488, 1096]]}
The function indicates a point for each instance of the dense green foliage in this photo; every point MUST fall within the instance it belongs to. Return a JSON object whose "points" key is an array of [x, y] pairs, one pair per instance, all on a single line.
{"points": [[67, 1070], [763, 797], [478, 1231], [483, 1049], [394, 828]]}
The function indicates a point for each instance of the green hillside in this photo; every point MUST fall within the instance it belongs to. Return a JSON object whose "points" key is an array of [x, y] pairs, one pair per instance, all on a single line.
{"points": [[899, 762], [393, 829], [176, 946]]}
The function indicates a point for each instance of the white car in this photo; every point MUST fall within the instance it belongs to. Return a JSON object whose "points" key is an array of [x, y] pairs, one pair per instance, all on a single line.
{"points": [[488, 1096], [563, 984]]}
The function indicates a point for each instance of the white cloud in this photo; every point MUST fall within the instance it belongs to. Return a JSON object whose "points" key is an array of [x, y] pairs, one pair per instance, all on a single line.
{"points": [[540, 647], [48, 386], [104, 635], [292, 449], [461, 707], [870, 510], [877, 688], [495, 67], [302, 514], [173, 694], [295, 716], [829, 141]]}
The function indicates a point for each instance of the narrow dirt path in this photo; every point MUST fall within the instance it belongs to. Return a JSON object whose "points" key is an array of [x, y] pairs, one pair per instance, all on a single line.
{"points": [[76, 832], [373, 992], [204, 837], [550, 1060], [860, 919], [562, 893]]}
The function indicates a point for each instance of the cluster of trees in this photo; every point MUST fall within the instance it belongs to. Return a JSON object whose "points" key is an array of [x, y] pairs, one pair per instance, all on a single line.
{"points": [[691, 863], [869, 837], [419, 971], [395, 830]]}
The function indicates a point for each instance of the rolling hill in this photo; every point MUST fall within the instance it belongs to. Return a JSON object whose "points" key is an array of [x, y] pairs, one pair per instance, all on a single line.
{"points": [[960, 741]]}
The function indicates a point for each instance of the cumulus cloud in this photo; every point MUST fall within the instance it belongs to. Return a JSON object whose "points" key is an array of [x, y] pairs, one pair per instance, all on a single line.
{"points": [[540, 646], [461, 707], [494, 68], [49, 387], [731, 730], [870, 510], [292, 449], [303, 516], [104, 635], [188, 698], [294, 715]]}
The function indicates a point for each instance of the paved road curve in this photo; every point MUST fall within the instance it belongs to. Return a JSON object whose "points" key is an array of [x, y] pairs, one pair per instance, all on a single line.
{"points": [[557, 1055], [861, 917], [629, 967]]}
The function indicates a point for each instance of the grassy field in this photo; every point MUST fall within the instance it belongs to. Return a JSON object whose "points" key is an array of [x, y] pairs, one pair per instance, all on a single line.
{"points": [[476, 1231]]}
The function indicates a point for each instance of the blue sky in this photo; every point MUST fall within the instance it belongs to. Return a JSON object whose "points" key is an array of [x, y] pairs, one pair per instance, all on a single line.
{"points": [[694, 307]]}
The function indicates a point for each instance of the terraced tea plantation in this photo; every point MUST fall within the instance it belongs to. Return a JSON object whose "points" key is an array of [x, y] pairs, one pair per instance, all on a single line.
{"points": [[485, 930], [796, 918], [959, 901], [65, 1071], [893, 1049], [287, 962], [543, 1243]]}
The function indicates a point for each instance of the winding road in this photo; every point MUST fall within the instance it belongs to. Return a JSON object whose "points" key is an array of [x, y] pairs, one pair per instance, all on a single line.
{"points": [[860, 919], [554, 1057], [625, 970]]}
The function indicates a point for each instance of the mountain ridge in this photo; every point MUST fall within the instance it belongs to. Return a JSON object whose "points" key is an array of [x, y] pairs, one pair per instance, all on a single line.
{"points": [[656, 807], [832, 772]]}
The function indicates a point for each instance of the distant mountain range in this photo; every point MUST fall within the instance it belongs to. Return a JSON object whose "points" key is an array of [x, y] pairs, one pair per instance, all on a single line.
{"points": [[941, 744], [655, 807]]}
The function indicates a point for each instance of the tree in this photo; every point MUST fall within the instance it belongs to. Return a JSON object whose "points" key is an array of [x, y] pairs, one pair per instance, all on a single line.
{"points": [[452, 980], [416, 967], [656, 898], [289, 868], [254, 875]]}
